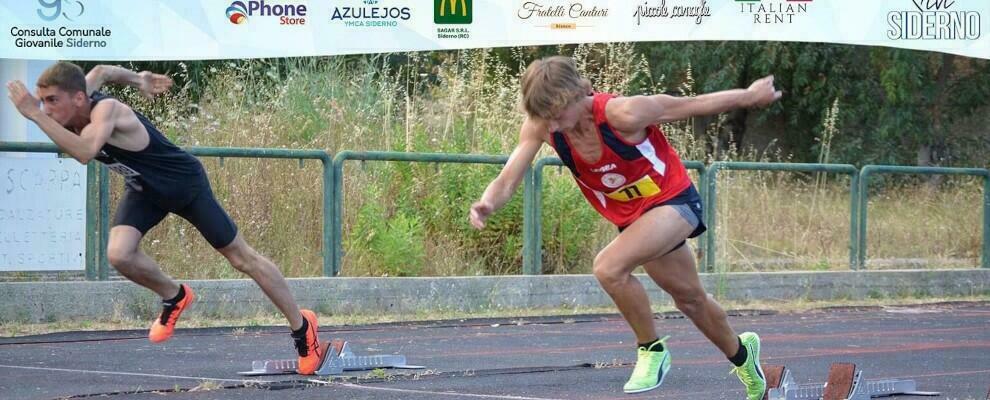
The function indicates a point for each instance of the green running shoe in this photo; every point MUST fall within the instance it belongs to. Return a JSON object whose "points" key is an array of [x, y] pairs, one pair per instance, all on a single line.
{"points": [[651, 368], [750, 373]]}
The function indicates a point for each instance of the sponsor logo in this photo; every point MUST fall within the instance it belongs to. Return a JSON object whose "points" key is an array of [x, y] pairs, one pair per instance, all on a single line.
{"points": [[933, 20], [456, 15], [60, 37], [370, 15], [769, 12], [453, 11], [239, 12], [605, 168], [688, 9], [558, 15]]}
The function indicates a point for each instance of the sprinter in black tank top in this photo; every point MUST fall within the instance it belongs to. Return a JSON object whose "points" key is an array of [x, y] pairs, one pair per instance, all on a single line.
{"points": [[160, 179]]}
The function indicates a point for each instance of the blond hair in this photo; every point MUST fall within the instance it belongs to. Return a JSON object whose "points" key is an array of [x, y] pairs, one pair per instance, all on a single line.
{"points": [[63, 75], [551, 84]]}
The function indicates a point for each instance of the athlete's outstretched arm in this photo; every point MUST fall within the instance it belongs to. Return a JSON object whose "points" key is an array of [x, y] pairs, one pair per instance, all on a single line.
{"points": [[148, 83], [634, 113], [82, 147], [501, 189]]}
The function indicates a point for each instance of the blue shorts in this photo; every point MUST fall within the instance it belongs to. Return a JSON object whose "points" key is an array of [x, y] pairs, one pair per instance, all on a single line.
{"points": [[688, 204]]}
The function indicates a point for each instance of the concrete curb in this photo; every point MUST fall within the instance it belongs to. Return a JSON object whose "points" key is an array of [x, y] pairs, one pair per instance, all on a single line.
{"points": [[22, 302]]}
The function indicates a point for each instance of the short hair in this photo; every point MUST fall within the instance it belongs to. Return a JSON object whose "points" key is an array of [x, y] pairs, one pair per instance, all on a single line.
{"points": [[551, 84], [63, 75]]}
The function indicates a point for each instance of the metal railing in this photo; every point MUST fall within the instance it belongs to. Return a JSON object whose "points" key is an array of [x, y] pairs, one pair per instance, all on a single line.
{"points": [[711, 206], [97, 200], [871, 170]]}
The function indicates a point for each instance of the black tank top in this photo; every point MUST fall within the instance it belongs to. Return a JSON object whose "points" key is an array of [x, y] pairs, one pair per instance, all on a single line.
{"points": [[165, 173]]}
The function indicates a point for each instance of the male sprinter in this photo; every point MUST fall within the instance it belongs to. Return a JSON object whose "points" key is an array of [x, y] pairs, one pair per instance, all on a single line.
{"points": [[624, 166], [160, 179]]}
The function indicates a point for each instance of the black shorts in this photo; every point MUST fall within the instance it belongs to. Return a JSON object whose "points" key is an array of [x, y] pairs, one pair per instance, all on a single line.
{"points": [[688, 204], [138, 210]]}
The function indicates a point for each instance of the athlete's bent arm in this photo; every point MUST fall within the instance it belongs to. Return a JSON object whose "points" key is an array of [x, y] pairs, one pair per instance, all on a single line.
{"points": [[148, 83], [82, 147], [635, 113], [501, 189]]}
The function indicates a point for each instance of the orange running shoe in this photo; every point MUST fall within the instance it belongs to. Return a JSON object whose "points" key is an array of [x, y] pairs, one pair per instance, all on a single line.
{"points": [[164, 325], [308, 345]]}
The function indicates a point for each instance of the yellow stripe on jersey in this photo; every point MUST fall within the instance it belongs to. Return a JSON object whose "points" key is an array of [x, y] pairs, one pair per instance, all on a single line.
{"points": [[645, 187]]}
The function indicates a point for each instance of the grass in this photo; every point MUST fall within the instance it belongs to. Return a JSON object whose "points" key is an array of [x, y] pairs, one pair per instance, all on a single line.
{"points": [[410, 219], [516, 316]]}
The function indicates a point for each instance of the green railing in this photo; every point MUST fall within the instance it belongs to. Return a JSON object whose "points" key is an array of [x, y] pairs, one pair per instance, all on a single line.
{"points": [[712, 199], [533, 211], [98, 194], [97, 200], [870, 170], [337, 211]]}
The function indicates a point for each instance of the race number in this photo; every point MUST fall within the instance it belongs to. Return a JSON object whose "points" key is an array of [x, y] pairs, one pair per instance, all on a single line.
{"points": [[644, 187]]}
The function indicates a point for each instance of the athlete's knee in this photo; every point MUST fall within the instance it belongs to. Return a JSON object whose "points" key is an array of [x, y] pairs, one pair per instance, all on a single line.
{"points": [[123, 246], [690, 301], [243, 258], [609, 273], [121, 256]]}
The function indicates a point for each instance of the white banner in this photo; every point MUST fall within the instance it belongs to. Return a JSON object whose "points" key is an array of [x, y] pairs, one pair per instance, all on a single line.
{"points": [[223, 29], [42, 214]]}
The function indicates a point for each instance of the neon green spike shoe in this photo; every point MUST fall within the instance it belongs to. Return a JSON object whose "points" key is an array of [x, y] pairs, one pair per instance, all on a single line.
{"points": [[651, 368], [750, 373]]}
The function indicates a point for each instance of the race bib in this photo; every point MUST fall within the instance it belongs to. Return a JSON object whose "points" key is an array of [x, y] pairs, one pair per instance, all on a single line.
{"points": [[123, 170], [644, 187]]}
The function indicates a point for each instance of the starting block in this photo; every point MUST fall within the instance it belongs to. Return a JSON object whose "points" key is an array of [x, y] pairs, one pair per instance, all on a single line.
{"points": [[845, 382], [337, 358]]}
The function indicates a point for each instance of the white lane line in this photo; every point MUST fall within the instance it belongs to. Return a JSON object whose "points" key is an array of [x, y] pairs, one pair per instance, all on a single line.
{"points": [[84, 371], [453, 394]]}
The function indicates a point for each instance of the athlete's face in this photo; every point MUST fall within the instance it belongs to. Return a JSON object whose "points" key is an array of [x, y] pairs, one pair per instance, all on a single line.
{"points": [[61, 105], [567, 118]]}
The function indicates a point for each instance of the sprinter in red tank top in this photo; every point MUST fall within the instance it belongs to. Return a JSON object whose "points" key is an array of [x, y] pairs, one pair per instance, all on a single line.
{"points": [[631, 175]]}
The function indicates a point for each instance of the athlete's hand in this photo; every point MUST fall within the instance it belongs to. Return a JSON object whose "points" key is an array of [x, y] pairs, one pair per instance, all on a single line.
{"points": [[153, 84], [26, 103], [479, 213], [762, 92]]}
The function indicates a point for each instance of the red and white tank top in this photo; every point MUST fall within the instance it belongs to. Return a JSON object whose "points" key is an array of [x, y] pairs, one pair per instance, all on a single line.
{"points": [[629, 178]]}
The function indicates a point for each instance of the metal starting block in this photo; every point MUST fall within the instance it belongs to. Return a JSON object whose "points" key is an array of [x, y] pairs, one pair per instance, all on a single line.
{"points": [[845, 382], [337, 358]]}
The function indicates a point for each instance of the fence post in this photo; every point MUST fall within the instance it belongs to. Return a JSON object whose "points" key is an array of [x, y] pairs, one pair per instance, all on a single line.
{"points": [[92, 219], [712, 182], [863, 210], [986, 221], [103, 264], [853, 220], [531, 249], [328, 195], [703, 192], [337, 211]]}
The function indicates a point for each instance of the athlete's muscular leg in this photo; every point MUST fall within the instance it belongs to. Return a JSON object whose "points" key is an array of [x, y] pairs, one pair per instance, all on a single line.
{"points": [[125, 255], [677, 274], [245, 259], [652, 235]]}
